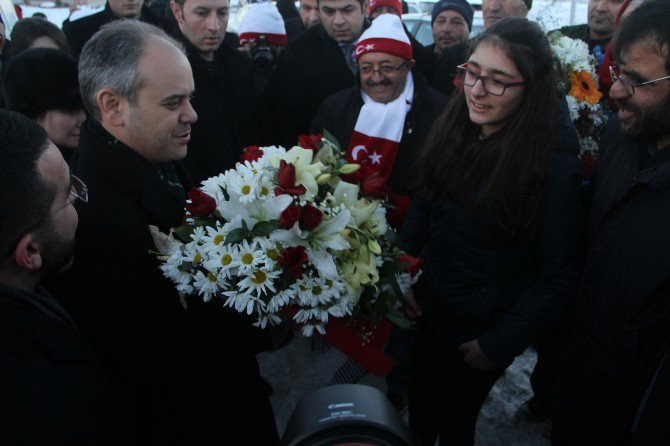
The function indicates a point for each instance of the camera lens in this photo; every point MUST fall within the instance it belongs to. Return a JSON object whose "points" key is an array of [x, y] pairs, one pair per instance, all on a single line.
{"points": [[263, 60]]}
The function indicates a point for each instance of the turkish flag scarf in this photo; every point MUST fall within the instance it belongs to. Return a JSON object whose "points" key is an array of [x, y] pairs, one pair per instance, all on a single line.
{"points": [[379, 128]]}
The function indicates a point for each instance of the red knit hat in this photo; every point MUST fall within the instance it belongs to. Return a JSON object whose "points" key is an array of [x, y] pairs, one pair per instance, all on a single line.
{"points": [[263, 19], [395, 4], [385, 35]]}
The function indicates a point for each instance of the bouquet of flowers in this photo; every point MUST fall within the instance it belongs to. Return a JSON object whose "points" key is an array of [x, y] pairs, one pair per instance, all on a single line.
{"points": [[283, 236], [585, 101]]}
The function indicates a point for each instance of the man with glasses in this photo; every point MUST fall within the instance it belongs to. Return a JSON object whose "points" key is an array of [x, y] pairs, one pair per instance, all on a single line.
{"points": [[53, 390], [183, 371], [382, 124], [621, 322]]}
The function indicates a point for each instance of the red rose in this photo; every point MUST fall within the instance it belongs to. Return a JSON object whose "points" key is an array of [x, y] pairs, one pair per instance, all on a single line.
{"points": [[286, 180], [292, 259], [375, 186], [251, 153], [396, 214], [310, 218], [310, 141], [290, 215], [201, 204], [413, 264]]}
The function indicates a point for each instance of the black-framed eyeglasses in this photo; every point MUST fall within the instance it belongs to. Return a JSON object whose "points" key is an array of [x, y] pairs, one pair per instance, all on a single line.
{"points": [[385, 69], [628, 85], [490, 85]]}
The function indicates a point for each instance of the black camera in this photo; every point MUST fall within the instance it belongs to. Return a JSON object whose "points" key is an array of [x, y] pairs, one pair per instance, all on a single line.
{"points": [[346, 414], [263, 56]]}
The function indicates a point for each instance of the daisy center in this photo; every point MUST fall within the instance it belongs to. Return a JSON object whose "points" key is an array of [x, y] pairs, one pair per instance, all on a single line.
{"points": [[218, 239], [259, 277], [246, 189], [317, 290], [197, 258], [272, 253], [247, 258], [211, 277], [226, 259]]}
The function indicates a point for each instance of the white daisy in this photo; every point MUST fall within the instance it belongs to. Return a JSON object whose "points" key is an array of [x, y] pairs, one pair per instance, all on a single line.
{"points": [[249, 257], [259, 282]]}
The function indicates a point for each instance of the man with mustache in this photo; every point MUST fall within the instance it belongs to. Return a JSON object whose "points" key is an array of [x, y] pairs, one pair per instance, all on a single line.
{"points": [[618, 336], [451, 23], [180, 369], [225, 94], [597, 33], [79, 31]]}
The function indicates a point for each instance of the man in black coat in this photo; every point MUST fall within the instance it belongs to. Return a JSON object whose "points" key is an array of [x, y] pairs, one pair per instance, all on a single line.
{"points": [[53, 389], [309, 16], [320, 62], [228, 117], [612, 341], [183, 371], [79, 31]]}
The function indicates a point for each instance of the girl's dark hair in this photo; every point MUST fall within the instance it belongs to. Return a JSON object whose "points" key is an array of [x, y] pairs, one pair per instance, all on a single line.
{"points": [[27, 30], [505, 176]]}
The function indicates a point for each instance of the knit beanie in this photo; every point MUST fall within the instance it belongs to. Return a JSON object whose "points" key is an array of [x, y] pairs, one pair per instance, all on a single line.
{"points": [[263, 19], [395, 4], [460, 6], [385, 35], [42, 79]]}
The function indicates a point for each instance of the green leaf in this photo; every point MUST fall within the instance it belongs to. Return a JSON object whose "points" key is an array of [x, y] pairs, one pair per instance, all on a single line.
{"points": [[236, 235], [265, 228], [398, 319], [183, 233], [390, 269], [331, 139]]}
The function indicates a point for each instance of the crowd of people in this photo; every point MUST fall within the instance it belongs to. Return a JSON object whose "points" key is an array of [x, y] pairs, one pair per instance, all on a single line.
{"points": [[111, 120]]}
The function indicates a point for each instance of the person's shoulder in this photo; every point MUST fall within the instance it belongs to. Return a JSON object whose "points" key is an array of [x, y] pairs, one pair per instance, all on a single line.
{"points": [[91, 21], [310, 40], [150, 17], [342, 97]]}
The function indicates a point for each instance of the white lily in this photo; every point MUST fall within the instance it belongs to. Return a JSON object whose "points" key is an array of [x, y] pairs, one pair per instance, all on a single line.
{"points": [[269, 209], [306, 172]]}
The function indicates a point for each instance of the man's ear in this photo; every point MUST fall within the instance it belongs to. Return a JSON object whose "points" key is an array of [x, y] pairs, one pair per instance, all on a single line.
{"points": [[110, 105], [365, 7], [410, 64], [176, 10], [27, 253]]}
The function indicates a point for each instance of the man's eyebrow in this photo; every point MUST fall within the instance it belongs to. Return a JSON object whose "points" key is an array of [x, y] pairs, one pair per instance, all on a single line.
{"points": [[173, 97], [633, 75]]}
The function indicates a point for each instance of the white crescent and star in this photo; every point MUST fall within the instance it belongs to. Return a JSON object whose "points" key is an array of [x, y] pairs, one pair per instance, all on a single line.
{"points": [[355, 150], [375, 158]]}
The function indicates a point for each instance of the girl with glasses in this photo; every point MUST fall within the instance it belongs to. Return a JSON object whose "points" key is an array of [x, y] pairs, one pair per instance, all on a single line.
{"points": [[497, 221]]}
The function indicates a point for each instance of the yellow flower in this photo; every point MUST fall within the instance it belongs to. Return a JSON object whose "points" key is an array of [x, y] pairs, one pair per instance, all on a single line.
{"points": [[583, 87]]}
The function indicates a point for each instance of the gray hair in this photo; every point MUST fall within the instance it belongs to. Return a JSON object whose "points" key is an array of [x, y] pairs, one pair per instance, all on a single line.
{"points": [[111, 57]]}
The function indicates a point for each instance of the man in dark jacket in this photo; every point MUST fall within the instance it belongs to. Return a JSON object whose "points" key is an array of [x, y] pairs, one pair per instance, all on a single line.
{"points": [[321, 62], [183, 371], [53, 390], [309, 16], [625, 290], [228, 118], [79, 31]]}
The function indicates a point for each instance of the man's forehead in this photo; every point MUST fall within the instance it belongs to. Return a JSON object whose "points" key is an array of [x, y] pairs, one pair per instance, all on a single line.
{"points": [[209, 4], [642, 52], [378, 57], [338, 4]]}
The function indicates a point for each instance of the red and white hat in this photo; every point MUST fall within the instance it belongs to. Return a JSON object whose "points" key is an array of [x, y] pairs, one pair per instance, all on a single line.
{"points": [[395, 4], [263, 19], [385, 35]]}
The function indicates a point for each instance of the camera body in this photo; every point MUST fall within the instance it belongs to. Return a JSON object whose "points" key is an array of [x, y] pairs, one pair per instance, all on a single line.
{"points": [[263, 56]]}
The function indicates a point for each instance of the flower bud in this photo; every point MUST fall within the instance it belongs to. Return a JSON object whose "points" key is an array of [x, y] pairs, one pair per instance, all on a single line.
{"points": [[348, 169], [324, 178], [374, 247]]}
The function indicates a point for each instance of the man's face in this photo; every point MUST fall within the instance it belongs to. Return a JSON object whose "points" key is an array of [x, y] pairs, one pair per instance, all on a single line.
{"points": [[309, 13], [449, 28], [646, 112], [343, 19], [384, 83], [158, 125], [62, 126], [57, 232], [601, 15], [126, 9], [204, 23], [495, 10]]}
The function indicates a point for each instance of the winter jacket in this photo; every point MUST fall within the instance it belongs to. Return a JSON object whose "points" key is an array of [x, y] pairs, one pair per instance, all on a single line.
{"points": [[338, 114], [625, 289], [504, 294], [228, 117], [81, 30]]}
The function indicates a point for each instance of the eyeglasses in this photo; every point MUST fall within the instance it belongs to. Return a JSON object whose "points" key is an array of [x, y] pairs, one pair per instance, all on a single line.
{"points": [[385, 69], [629, 86], [491, 86]]}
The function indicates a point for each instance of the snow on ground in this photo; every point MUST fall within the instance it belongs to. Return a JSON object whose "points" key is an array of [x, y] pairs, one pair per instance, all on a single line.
{"points": [[293, 373]]}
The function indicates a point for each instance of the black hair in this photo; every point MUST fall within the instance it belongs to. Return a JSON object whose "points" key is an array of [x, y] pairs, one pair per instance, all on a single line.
{"points": [[651, 21], [27, 30], [506, 175], [26, 198]]}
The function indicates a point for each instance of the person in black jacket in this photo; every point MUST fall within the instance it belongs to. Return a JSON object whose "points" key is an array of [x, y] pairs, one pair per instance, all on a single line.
{"points": [[309, 16], [624, 300], [183, 371], [497, 221], [80, 31], [320, 62], [53, 389], [225, 100]]}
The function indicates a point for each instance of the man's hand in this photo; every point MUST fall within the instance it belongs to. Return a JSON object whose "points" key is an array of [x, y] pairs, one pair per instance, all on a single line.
{"points": [[412, 309], [475, 357]]}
